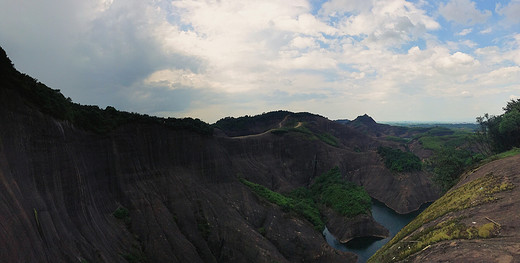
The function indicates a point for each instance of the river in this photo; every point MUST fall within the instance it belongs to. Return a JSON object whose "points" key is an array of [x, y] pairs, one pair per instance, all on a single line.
{"points": [[366, 247]]}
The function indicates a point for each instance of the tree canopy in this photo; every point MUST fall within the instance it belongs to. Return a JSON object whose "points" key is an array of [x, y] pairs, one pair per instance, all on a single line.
{"points": [[502, 132]]}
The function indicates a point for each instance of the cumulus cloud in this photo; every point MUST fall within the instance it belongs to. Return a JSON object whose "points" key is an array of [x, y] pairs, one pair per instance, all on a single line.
{"points": [[463, 12], [389, 22], [210, 59]]}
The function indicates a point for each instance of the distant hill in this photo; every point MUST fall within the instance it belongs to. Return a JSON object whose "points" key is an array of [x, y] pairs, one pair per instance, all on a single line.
{"points": [[456, 126]]}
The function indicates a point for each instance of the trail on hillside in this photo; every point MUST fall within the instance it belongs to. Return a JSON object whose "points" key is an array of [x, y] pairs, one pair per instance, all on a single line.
{"points": [[280, 125]]}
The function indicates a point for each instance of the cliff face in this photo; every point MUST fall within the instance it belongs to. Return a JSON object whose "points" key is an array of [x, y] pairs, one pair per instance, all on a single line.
{"points": [[476, 221], [144, 192], [60, 186]]}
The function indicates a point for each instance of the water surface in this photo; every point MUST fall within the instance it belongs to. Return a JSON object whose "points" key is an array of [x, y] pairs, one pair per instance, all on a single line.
{"points": [[366, 247]]}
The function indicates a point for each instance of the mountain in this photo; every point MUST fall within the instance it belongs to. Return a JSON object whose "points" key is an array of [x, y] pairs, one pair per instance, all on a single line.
{"points": [[80, 183], [369, 126], [476, 221]]}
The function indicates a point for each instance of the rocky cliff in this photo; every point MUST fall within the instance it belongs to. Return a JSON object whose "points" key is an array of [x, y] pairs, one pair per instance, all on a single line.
{"points": [[476, 221], [147, 192]]}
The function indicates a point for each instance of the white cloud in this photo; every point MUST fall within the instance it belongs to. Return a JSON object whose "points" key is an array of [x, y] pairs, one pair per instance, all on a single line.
{"points": [[455, 63], [511, 11], [176, 78], [464, 32], [385, 22], [463, 12], [209, 59], [486, 31]]}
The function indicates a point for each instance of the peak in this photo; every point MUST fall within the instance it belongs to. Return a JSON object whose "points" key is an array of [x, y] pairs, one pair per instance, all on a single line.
{"points": [[365, 119]]}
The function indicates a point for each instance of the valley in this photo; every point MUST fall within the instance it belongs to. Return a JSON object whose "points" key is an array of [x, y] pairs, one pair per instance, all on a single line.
{"points": [[81, 183]]}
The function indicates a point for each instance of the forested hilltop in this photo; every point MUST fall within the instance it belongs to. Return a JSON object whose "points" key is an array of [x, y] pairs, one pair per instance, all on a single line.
{"points": [[88, 117]]}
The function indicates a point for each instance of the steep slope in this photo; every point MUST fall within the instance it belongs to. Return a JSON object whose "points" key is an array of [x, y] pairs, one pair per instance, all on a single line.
{"points": [[61, 185], [76, 187], [476, 221]]}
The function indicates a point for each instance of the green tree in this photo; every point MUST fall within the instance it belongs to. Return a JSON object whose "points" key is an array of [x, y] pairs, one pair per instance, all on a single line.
{"points": [[512, 106], [448, 164], [502, 131], [400, 161]]}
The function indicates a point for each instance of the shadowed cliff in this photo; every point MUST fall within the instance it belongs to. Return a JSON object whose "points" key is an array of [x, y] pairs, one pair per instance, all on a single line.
{"points": [[79, 183]]}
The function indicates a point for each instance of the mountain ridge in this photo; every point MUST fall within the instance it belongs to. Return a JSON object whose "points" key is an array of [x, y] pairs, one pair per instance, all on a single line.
{"points": [[132, 187]]}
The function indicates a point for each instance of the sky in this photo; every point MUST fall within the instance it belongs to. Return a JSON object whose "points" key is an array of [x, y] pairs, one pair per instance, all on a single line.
{"points": [[394, 60]]}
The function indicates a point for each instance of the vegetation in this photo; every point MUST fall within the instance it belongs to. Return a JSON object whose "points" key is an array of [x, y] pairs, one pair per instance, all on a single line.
{"points": [[204, 227], [471, 194], [135, 257], [91, 118], [469, 127], [123, 214], [328, 139], [448, 230], [344, 197], [501, 132], [452, 154], [397, 139], [300, 202], [244, 122], [448, 164], [435, 138], [324, 137], [400, 161], [514, 151], [328, 190]]}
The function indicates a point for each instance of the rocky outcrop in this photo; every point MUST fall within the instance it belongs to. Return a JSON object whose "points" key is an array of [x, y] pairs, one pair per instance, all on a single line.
{"points": [[476, 221], [347, 229]]}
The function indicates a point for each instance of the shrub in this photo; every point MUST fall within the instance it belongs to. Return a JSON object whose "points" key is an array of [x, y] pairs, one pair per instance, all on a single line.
{"points": [[123, 214], [296, 202], [344, 197], [486, 230], [329, 189], [399, 161]]}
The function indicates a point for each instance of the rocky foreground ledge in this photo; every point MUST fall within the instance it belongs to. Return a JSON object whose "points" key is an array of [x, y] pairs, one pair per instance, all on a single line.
{"points": [[476, 221]]}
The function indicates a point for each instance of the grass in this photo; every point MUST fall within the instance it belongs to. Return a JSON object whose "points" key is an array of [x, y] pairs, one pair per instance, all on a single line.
{"points": [[449, 230], [434, 142], [474, 193], [502, 155]]}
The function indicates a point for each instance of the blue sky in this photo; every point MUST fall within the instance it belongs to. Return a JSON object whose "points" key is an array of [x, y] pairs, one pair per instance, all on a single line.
{"points": [[395, 60]]}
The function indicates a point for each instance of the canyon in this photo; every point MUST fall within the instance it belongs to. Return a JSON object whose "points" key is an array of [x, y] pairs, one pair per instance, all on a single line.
{"points": [[146, 192]]}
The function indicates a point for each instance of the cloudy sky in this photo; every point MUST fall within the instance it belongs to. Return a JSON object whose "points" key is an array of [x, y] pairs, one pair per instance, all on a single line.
{"points": [[395, 60]]}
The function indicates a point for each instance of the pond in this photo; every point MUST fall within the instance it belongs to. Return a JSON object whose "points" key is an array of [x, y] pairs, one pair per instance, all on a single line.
{"points": [[366, 247]]}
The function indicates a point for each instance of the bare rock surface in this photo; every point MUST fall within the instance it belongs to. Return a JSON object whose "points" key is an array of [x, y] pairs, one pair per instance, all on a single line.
{"points": [[178, 190]]}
